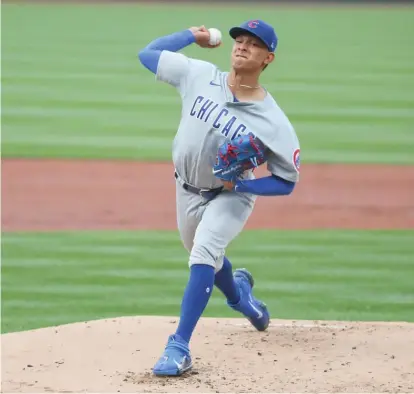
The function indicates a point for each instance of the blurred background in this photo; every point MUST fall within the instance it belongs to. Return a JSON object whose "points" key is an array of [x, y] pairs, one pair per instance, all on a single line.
{"points": [[73, 88]]}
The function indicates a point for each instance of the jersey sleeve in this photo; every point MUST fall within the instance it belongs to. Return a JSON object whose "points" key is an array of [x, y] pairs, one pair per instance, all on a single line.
{"points": [[284, 154], [173, 68], [178, 70]]}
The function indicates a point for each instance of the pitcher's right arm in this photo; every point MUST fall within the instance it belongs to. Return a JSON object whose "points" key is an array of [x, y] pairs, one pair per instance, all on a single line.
{"points": [[161, 57]]}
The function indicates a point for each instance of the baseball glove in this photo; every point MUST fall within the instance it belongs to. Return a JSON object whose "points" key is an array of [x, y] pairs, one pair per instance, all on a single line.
{"points": [[235, 157]]}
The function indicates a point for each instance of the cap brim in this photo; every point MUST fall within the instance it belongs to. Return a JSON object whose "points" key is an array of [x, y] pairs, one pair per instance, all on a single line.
{"points": [[238, 31]]}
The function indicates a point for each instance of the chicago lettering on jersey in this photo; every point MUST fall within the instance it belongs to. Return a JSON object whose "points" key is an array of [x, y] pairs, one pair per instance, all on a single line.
{"points": [[205, 109]]}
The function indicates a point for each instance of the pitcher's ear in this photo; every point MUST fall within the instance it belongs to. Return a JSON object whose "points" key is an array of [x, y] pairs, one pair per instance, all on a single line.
{"points": [[270, 58]]}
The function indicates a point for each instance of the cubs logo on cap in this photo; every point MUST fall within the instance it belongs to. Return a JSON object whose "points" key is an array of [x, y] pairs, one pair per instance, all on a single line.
{"points": [[253, 24], [259, 29]]}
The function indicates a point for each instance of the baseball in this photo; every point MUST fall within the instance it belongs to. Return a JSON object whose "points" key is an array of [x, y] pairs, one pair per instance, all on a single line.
{"points": [[215, 36]]}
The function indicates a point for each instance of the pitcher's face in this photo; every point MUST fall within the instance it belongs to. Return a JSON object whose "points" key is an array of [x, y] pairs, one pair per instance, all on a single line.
{"points": [[250, 53]]}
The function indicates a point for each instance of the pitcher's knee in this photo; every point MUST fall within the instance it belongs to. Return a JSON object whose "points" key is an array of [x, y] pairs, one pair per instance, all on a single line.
{"points": [[202, 254], [187, 244]]}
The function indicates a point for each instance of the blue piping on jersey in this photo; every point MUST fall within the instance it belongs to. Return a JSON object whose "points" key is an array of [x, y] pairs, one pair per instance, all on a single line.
{"points": [[268, 186], [150, 55]]}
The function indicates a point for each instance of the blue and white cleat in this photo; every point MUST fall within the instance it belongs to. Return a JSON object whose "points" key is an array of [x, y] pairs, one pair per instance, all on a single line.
{"points": [[176, 358], [254, 309]]}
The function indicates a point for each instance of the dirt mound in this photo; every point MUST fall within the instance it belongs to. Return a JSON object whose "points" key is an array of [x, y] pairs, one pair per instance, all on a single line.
{"points": [[116, 355], [74, 195]]}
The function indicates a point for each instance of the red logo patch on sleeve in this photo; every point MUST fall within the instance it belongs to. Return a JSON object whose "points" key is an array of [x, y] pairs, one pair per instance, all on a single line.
{"points": [[296, 159]]}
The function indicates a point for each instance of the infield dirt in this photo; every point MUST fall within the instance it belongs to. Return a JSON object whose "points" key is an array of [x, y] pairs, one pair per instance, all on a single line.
{"points": [[117, 355], [69, 195]]}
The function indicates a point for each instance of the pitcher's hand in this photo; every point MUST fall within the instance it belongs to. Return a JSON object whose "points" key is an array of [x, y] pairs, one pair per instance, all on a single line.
{"points": [[228, 185], [202, 37]]}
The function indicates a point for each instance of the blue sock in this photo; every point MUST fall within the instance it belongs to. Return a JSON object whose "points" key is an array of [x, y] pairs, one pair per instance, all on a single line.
{"points": [[195, 299], [225, 282]]}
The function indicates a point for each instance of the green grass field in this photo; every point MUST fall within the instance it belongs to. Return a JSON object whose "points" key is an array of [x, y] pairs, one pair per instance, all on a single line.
{"points": [[56, 278], [344, 76]]}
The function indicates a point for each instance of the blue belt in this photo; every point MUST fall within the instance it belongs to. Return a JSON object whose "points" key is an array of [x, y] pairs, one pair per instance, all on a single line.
{"points": [[208, 194]]}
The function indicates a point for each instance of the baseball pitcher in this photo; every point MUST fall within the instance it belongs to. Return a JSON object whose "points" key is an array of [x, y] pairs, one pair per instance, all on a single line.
{"points": [[230, 124]]}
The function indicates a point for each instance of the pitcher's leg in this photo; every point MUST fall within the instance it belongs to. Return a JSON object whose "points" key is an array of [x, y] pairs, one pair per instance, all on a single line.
{"points": [[205, 257], [196, 297], [176, 358], [201, 278], [222, 221], [188, 215], [225, 282]]}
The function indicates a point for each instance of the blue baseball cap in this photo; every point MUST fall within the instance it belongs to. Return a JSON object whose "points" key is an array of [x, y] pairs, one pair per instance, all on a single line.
{"points": [[258, 28]]}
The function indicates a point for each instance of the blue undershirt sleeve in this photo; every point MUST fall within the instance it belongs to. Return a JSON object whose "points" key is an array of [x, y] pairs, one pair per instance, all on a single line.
{"points": [[150, 55], [267, 186]]}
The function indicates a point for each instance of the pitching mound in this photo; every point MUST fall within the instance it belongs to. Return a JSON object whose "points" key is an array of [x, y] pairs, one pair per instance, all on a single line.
{"points": [[116, 355]]}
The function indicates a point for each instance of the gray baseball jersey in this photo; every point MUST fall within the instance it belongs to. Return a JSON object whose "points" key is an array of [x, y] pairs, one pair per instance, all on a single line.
{"points": [[210, 115]]}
